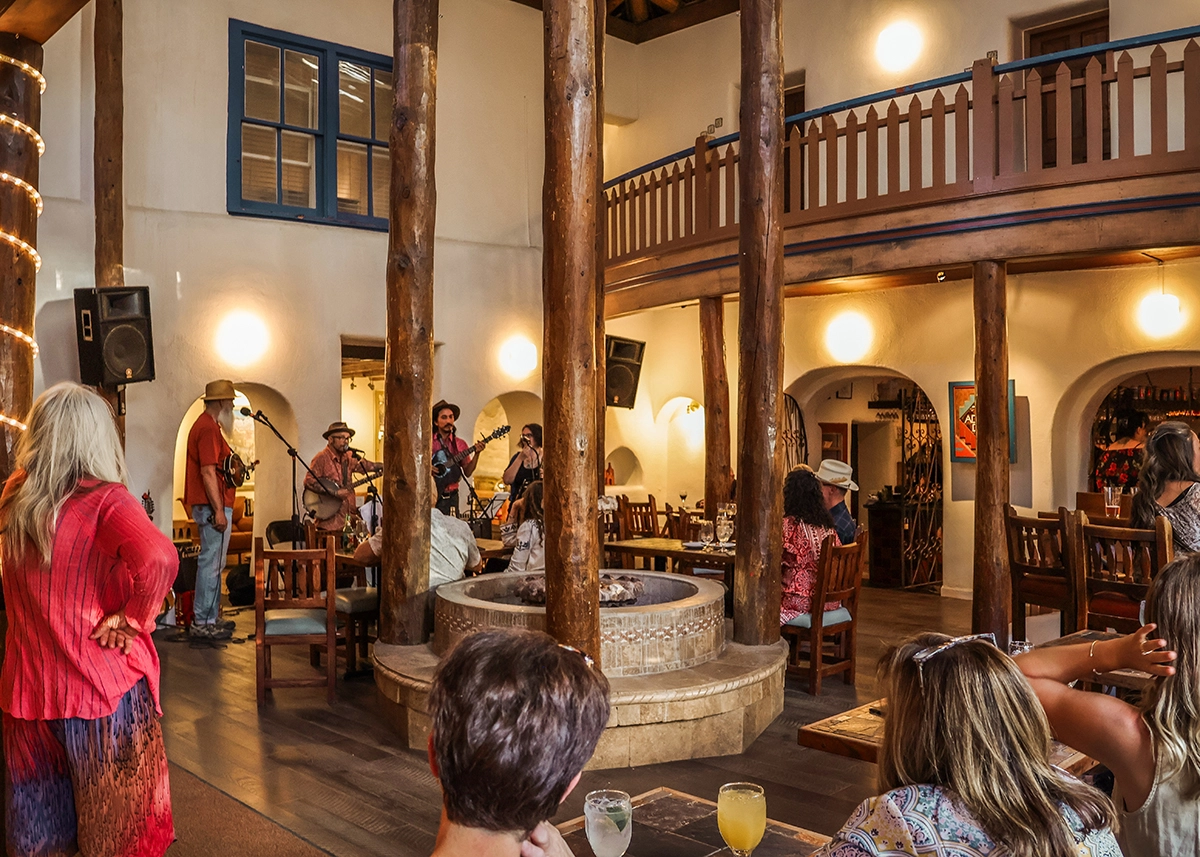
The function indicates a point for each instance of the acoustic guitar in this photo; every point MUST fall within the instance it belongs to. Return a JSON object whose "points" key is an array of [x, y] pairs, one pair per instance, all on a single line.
{"points": [[446, 466], [324, 501]]}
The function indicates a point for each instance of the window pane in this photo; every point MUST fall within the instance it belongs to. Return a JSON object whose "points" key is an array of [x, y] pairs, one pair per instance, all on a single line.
{"points": [[351, 178], [258, 163], [381, 172], [262, 81], [302, 89], [299, 176], [354, 110], [383, 104]]}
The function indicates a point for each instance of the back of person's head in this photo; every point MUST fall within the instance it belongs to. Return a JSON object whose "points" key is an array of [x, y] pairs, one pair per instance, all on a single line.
{"points": [[803, 499], [1171, 707], [966, 719], [1169, 457], [515, 718], [1127, 422], [71, 435], [535, 429], [533, 495]]}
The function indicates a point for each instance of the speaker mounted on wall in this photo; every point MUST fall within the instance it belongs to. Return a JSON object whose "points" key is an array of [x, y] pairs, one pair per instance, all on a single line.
{"points": [[112, 327], [623, 367]]}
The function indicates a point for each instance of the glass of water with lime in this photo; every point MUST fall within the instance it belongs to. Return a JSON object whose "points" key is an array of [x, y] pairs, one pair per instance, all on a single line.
{"points": [[609, 822]]}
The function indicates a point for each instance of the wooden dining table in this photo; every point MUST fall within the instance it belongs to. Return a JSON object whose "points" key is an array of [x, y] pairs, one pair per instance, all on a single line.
{"points": [[492, 549], [674, 550], [675, 823], [858, 733]]}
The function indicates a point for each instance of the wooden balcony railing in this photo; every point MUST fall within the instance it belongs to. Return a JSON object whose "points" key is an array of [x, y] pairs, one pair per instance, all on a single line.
{"points": [[984, 131]]}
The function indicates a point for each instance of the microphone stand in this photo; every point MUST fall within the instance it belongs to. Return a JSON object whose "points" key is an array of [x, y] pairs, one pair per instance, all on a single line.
{"points": [[373, 500], [260, 417]]}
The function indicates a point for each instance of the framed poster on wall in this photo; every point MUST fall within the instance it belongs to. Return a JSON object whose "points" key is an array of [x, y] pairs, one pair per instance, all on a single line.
{"points": [[964, 417]]}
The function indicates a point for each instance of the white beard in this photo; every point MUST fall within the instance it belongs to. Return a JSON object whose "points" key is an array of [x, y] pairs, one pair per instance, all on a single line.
{"points": [[225, 420]]}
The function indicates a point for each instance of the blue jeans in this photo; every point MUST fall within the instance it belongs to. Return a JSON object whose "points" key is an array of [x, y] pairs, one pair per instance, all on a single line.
{"points": [[213, 548]]}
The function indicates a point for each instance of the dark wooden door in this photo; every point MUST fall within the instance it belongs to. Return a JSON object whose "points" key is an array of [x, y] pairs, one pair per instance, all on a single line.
{"points": [[1079, 33]]}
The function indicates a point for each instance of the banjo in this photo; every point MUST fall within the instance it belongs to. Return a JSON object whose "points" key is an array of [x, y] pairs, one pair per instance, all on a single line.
{"points": [[324, 501]]}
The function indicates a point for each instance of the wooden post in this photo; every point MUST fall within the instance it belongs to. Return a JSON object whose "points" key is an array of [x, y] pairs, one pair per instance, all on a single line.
{"points": [[716, 405], [760, 329], [20, 99], [992, 583], [569, 218], [600, 14], [408, 425], [108, 165]]}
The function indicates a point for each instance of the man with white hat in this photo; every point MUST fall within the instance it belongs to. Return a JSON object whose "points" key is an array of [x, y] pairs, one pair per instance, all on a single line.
{"points": [[835, 482]]}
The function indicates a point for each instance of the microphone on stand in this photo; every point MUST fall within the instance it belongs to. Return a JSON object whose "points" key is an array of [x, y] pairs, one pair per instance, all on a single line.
{"points": [[257, 416], [356, 452], [245, 412]]}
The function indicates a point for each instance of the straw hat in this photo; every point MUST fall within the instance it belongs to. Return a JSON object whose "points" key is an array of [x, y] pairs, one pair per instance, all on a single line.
{"points": [[837, 473], [218, 390], [441, 406], [337, 427]]}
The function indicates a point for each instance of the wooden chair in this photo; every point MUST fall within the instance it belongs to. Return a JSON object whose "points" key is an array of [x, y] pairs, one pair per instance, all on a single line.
{"points": [[829, 638], [1037, 559], [294, 606], [641, 519], [356, 605], [1112, 568]]}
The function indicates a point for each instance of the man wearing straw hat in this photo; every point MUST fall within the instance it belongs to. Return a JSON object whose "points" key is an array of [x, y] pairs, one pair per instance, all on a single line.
{"points": [[338, 462], [835, 482], [209, 496]]}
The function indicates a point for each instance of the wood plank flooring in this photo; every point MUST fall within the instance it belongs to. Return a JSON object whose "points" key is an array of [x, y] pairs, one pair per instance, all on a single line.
{"points": [[337, 777]]}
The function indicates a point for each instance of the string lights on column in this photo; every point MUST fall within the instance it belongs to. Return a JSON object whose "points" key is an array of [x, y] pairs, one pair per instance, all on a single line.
{"points": [[35, 198]]}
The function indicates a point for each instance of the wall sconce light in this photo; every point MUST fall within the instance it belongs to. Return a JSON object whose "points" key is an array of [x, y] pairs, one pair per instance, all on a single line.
{"points": [[518, 357], [898, 46], [1159, 313], [242, 338], [849, 336]]}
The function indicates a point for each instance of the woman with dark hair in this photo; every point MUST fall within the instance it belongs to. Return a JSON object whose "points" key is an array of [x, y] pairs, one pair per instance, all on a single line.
{"points": [[526, 466], [1119, 462], [806, 523], [964, 765], [1167, 485], [525, 532]]}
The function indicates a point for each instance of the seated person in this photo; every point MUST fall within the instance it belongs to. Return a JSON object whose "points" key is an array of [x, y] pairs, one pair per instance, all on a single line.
{"points": [[453, 550], [806, 523], [515, 717], [835, 483], [1169, 484], [965, 765], [525, 532]]}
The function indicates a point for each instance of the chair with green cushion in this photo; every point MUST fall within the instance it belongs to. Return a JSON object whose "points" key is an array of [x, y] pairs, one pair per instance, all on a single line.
{"points": [[294, 607], [823, 643]]}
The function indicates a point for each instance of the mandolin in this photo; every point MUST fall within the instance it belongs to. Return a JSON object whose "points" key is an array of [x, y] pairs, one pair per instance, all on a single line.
{"points": [[235, 470], [446, 466]]}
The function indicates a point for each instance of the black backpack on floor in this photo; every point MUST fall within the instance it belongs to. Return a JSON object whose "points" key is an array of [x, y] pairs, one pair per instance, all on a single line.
{"points": [[240, 583]]}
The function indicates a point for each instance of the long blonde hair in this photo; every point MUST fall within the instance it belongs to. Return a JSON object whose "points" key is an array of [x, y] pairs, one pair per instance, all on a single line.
{"points": [[968, 721], [1171, 707], [71, 436]]}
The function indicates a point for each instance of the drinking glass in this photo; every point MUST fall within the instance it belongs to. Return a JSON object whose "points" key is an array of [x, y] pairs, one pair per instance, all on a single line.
{"points": [[724, 531], [683, 499], [1112, 500], [742, 816], [729, 510], [609, 822], [707, 534], [1019, 647]]}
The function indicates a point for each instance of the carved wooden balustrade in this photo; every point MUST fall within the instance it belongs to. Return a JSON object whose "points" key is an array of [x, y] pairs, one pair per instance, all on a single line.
{"points": [[1133, 110]]}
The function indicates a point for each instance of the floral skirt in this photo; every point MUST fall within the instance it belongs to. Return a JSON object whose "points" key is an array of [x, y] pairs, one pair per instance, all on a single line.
{"points": [[93, 787]]}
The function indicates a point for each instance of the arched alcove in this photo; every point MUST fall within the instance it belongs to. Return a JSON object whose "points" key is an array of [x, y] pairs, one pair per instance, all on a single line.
{"points": [[627, 470]]}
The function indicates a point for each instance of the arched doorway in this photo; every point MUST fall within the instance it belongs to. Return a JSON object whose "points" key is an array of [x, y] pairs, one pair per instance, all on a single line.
{"points": [[885, 426]]}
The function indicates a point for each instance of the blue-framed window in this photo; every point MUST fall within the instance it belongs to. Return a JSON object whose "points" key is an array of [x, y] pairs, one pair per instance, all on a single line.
{"points": [[308, 129]]}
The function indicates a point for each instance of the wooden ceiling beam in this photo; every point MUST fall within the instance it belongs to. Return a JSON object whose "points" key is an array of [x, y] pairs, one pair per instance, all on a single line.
{"points": [[640, 10], [37, 19], [667, 6]]}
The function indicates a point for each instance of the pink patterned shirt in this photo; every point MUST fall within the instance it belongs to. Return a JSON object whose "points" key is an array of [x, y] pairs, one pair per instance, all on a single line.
{"points": [[801, 550]]}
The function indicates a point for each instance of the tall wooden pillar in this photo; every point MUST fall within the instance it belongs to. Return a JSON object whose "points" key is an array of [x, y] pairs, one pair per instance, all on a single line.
{"points": [[760, 328], [601, 17], [992, 583], [408, 425], [108, 163], [20, 100], [569, 277], [716, 405]]}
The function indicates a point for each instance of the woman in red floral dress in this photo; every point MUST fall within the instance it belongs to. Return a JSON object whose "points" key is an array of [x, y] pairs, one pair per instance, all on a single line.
{"points": [[1118, 464], [806, 523]]}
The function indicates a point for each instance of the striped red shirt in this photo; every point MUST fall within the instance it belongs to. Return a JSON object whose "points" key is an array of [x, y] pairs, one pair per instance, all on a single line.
{"points": [[107, 555]]}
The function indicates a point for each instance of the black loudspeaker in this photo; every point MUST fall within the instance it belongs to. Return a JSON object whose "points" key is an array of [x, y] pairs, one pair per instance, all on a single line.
{"points": [[623, 368], [112, 327]]}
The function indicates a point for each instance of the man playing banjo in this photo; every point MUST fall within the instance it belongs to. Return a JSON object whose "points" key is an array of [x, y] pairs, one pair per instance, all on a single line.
{"points": [[336, 464]]}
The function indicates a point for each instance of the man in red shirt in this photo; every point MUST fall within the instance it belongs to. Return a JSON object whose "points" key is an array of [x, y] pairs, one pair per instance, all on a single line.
{"points": [[338, 463], [445, 440], [209, 496]]}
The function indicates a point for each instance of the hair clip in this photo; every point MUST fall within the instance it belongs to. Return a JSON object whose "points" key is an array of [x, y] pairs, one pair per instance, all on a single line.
{"points": [[587, 659]]}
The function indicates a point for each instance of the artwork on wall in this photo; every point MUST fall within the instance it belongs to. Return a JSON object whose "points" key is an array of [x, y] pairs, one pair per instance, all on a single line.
{"points": [[846, 392], [964, 417]]}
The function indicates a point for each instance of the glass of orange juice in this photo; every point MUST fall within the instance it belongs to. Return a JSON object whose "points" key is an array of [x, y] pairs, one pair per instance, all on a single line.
{"points": [[742, 816]]}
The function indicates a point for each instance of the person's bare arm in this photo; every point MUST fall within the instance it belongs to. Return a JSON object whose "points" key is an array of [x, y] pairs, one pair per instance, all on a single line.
{"points": [[511, 472], [468, 466], [365, 553], [215, 495]]}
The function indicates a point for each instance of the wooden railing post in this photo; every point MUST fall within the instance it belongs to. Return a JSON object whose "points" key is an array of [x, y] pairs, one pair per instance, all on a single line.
{"points": [[983, 124], [992, 586], [700, 199]]}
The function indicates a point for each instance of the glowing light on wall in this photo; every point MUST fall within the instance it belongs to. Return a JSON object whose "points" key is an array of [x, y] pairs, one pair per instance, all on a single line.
{"points": [[518, 357], [242, 338], [898, 46], [849, 336], [1159, 314], [691, 422]]}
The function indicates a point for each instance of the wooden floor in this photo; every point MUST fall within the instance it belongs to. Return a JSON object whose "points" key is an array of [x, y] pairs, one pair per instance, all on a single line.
{"points": [[338, 778]]}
